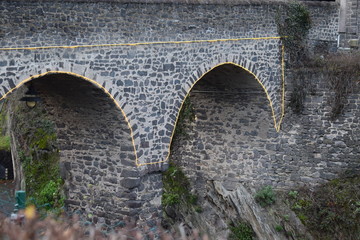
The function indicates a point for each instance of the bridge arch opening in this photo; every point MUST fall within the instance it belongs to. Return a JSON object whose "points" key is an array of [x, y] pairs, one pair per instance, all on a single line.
{"points": [[226, 138], [92, 140], [231, 120]]}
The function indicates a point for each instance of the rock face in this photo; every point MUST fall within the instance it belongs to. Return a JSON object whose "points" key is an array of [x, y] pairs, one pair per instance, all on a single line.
{"points": [[246, 208], [222, 208]]}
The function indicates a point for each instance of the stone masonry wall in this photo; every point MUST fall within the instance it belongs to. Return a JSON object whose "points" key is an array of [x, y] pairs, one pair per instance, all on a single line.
{"points": [[96, 154], [232, 140], [148, 81]]}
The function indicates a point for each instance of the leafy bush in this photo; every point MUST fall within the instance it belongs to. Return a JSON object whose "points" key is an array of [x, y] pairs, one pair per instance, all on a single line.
{"points": [[293, 194], [279, 228], [293, 24], [51, 194], [332, 210], [177, 188], [169, 199], [38, 151], [241, 231], [265, 197], [5, 143]]}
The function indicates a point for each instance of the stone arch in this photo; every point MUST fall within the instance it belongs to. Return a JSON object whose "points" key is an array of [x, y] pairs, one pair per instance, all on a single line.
{"points": [[95, 83], [237, 61], [101, 175], [248, 66], [227, 144]]}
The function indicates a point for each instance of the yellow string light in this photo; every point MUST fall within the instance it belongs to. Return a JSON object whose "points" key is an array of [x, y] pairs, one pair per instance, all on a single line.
{"points": [[138, 44]]}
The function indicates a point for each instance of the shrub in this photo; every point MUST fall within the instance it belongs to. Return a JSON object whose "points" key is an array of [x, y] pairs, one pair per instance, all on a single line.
{"points": [[241, 231], [279, 228], [330, 211], [293, 194], [177, 188], [5, 143], [170, 199], [293, 24], [343, 73], [265, 197], [50, 194]]}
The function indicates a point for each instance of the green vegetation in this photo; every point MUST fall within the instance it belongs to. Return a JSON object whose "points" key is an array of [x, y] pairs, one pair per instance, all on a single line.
{"points": [[43, 182], [332, 211], [186, 115], [44, 136], [293, 24], [5, 143], [342, 70], [293, 194], [177, 192], [241, 231], [4, 137], [265, 197], [39, 155], [279, 228], [177, 189]]}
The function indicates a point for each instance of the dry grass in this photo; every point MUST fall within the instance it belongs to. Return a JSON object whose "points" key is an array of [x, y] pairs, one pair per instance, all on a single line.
{"points": [[30, 227], [343, 73]]}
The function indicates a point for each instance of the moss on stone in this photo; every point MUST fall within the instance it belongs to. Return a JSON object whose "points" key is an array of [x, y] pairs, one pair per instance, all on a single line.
{"points": [[177, 189], [5, 143], [4, 136], [39, 155]]}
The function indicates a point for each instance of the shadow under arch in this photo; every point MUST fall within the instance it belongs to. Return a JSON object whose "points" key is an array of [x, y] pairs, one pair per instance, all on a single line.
{"points": [[276, 123], [49, 73]]}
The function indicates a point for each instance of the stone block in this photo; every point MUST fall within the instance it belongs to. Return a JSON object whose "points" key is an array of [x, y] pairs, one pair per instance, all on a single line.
{"points": [[130, 182]]}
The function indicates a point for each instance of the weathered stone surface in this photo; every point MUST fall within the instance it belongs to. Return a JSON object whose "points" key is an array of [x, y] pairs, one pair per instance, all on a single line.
{"points": [[130, 182]]}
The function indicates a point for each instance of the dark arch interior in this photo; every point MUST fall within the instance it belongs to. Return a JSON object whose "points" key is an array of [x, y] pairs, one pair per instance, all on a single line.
{"points": [[227, 77], [6, 165], [233, 120]]}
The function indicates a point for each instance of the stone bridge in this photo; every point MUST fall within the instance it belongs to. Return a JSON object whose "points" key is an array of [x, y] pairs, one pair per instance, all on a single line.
{"points": [[97, 62]]}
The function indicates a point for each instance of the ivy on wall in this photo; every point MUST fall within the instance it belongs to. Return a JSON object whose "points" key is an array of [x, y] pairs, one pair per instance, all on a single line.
{"points": [[293, 23], [186, 115]]}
